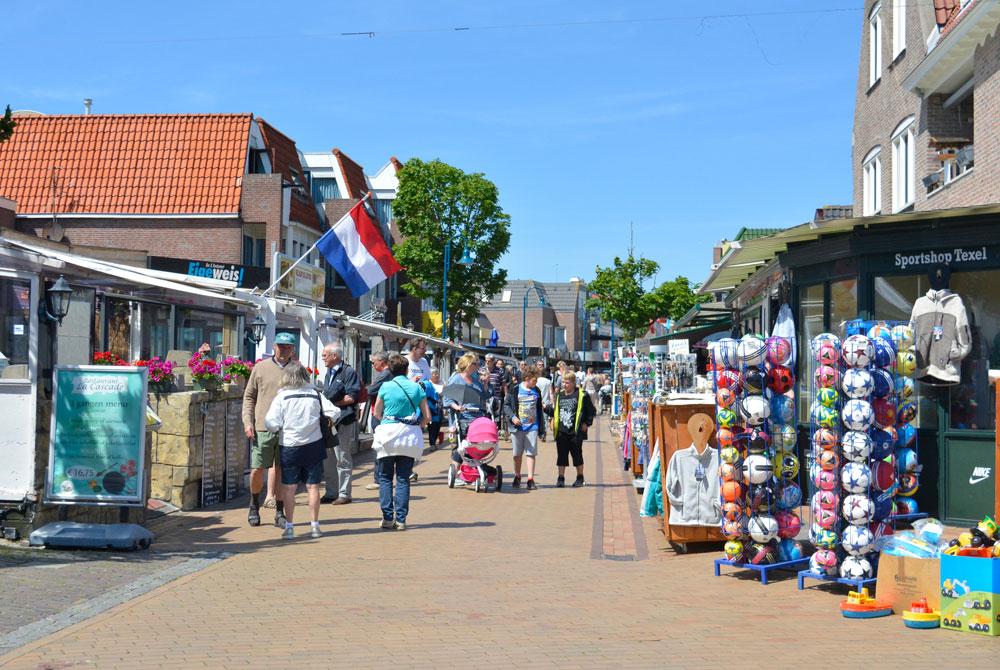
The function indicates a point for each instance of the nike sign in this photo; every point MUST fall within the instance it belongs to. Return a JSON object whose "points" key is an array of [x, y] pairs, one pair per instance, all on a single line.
{"points": [[979, 474]]}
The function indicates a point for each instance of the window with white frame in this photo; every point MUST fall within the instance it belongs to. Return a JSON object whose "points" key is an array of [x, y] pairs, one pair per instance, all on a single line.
{"points": [[898, 27], [903, 165], [875, 44], [871, 183]]}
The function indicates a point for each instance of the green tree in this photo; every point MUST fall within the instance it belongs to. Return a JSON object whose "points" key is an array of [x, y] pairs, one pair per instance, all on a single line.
{"points": [[7, 124], [436, 202], [622, 298]]}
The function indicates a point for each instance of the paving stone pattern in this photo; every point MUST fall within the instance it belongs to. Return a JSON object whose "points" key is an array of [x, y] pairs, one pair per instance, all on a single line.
{"points": [[515, 579]]}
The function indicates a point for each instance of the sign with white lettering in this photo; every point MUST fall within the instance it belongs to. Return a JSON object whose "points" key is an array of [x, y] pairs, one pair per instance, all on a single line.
{"points": [[941, 256], [245, 276]]}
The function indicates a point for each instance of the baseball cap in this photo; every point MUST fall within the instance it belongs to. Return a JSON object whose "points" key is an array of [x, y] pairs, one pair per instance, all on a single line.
{"points": [[284, 338]]}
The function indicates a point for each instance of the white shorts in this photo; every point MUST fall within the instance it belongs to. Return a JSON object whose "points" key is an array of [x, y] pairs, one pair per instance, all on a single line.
{"points": [[525, 442]]}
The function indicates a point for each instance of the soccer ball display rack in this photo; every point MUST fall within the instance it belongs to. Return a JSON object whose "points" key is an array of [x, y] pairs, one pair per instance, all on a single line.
{"points": [[759, 468], [862, 463]]}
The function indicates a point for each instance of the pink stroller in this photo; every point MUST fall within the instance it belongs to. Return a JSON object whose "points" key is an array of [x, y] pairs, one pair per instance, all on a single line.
{"points": [[471, 461]]}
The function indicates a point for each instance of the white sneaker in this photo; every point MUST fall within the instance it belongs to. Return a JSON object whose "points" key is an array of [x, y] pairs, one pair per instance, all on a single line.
{"points": [[387, 524], [314, 531], [288, 533], [371, 487], [400, 525]]}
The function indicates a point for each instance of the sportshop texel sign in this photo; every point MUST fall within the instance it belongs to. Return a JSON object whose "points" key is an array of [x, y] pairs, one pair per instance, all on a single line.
{"points": [[941, 257]]}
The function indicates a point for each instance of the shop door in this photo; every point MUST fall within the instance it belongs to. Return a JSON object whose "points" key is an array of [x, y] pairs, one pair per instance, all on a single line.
{"points": [[969, 479], [18, 382]]}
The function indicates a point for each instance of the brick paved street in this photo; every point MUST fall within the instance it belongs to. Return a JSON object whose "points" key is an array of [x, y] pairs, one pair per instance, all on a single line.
{"points": [[520, 579]]}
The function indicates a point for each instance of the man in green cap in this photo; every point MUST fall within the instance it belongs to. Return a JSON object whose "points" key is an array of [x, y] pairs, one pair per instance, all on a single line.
{"points": [[263, 385]]}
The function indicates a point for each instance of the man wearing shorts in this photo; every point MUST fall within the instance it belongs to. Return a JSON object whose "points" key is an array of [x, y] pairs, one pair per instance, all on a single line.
{"points": [[572, 415], [262, 387], [545, 389], [523, 409]]}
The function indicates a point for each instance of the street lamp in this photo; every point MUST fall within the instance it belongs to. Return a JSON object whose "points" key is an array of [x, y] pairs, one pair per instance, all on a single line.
{"points": [[57, 300], [465, 260], [524, 321], [255, 333]]}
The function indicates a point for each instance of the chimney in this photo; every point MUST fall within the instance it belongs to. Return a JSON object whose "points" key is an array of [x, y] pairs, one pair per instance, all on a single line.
{"points": [[717, 254], [87, 102]]}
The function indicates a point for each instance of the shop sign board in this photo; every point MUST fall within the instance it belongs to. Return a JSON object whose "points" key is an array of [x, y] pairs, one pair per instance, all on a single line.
{"points": [[941, 257], [304, 281], [680, 346], [245, 276], [98, 436]]}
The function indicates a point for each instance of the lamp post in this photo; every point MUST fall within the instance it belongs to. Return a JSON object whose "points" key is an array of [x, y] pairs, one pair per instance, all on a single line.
{"points": [[58, 296], [255, 333], [465, 260], [524, 322]]}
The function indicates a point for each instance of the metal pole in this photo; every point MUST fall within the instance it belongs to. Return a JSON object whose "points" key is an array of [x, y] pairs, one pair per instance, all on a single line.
{"points": [[444, 291], [524, 327]]}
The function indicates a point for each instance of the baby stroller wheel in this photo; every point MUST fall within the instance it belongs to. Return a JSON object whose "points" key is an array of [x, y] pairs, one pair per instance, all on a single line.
{"points": [[451, 476], [477, 485], [499, 479]]}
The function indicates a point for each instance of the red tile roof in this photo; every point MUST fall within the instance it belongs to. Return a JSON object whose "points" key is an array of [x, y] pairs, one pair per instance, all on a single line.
{"points": [[354, 175], [958, 12], [285, 159], [127, 164], [944, 10]]}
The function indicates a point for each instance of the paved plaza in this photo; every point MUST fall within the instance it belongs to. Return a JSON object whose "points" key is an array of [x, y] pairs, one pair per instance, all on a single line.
{"points": [[568, 578]]}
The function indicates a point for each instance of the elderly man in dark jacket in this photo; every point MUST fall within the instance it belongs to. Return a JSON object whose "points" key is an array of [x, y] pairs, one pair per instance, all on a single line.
{"points": [[341, 387]]}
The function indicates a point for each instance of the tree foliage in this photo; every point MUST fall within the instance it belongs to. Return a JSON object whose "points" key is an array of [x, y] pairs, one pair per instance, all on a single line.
{"points": [[436, 202], [622, 298], [7, 124]]}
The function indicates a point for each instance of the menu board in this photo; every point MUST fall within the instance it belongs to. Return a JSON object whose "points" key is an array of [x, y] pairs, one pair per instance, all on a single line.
{"points": [[236, 449], [213, 474], [97, 435]]}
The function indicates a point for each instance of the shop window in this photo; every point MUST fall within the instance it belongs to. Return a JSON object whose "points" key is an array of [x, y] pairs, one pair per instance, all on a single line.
{"points": [[972, 403], [15, 314], [843, 302], [560, 338], [195, 327], [903, 165], [875, 44], [871, 183], [118, 328], [812, 322], [155, 335]]}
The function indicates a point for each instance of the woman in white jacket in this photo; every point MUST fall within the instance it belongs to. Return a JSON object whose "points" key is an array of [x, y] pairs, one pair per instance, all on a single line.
{"points": [[295, 413]]}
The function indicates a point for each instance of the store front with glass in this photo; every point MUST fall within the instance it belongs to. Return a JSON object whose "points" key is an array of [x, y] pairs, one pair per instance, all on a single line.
{"points": [[879, 273]]}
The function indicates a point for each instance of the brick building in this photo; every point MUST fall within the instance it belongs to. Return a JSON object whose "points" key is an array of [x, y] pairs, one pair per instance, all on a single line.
{"points": [[209, 188], [928, 96]]}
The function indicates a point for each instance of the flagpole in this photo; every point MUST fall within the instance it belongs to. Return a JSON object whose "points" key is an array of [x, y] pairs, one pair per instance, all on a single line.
{"points": [[315, 244]]}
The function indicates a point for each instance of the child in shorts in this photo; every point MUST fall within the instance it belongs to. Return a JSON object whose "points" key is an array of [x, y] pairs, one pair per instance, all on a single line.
{"points": [[523, 409]]}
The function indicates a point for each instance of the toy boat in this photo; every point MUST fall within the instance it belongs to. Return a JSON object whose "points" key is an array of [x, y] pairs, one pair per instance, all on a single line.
{"points": [[859, 605], [920, 615]]}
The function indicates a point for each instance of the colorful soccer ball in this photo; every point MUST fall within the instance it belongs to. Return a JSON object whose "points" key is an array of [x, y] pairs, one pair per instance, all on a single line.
{"points": [[779, 350], [726, 418], [725, 437], [907, 413], [730, 455], [855, 567], [826, 558], [827, 396], [784, 437], [857, 351], [856, 446], [902, 337], [757, 469], [824, 416], [780, 379], [906, 506], [857, 509], [828, 459], [751, 351], [822, 538], [858, 414], [728, 472], [906, 362], [762, 554], [824, 500], [789, 550], [904, 388], [824, 438], [816, 567], [857, 383], [885, 412], [762, 528], [756, 440], [885, 353], [734, 529], [857, 540], [883, 384], [760, 497], [734, 550], [882, 443], [880, 329], [732, 511], [856, 477], [788, 465], [883, 475], [906, 435], [826, 376], [882, 510], [789, 524], [789, 496], [732, 491], [827, 354], [727, 379], [782, 409], [825, 480], [823, 338], [755, 410], [825, 518], [906, 460], [725, 397], [726, 353], [753, 380]]}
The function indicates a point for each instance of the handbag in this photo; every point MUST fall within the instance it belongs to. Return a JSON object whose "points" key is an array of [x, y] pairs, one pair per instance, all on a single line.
{"points": [[330, 438], [407, 420]]}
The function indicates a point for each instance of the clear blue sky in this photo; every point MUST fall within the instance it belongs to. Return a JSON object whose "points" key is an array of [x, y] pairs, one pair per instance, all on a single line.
{"points": [[690, 129]]}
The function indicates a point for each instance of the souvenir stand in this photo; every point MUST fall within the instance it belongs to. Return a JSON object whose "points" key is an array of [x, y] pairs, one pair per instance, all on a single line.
{"points": [[760, 493], [863, 464], [638, 397]]}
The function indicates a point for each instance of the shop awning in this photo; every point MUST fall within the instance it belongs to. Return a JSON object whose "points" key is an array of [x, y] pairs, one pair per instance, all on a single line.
{"points": [[135, 275], [745, 258], [379, 328]]}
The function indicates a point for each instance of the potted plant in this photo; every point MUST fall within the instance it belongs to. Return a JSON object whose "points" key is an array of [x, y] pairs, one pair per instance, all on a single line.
{"points": [[161, 374], [107, 358], [235, 370], [206, 373]]}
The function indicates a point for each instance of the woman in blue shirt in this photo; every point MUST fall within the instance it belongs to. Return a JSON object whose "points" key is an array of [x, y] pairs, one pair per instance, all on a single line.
{"points": [[401, 408]]}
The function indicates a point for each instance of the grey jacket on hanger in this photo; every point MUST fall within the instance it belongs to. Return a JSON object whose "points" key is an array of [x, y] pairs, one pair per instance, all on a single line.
{"points": [[941, 336]]}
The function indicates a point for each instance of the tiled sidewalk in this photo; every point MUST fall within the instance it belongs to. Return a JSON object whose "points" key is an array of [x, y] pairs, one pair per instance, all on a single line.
{"points": [[514, 579]]}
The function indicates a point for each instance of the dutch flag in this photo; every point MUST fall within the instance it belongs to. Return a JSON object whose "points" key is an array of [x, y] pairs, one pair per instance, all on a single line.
{"points": [[356, 250]]}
